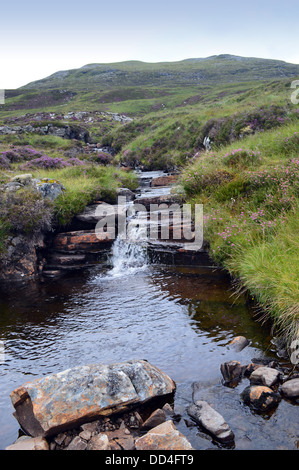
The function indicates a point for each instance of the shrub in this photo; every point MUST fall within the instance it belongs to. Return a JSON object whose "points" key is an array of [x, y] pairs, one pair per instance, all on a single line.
{"points": [[12, 156], [101, 157], [241, 158], [25, 211], [4, 162], [46, 163]]}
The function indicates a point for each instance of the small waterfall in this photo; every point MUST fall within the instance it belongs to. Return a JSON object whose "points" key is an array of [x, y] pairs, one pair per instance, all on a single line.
{"points": [[130, 255]]}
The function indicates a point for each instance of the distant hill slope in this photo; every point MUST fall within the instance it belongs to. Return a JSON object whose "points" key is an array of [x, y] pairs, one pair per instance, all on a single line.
{"points": [[192, 72]]}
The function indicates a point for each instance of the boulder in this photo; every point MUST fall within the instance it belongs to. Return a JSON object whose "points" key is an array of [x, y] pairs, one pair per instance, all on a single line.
{"points": [[29, 443], [65, 400], [127, 193], [163, 437], [264, 376], [260, 398], [211, 421], [48, 188], [231, 371], [238, 343], [291, 388]]}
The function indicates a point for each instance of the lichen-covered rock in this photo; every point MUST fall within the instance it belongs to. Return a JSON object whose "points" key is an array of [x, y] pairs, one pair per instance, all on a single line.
{"points": [[62, 401], [163, 437]]}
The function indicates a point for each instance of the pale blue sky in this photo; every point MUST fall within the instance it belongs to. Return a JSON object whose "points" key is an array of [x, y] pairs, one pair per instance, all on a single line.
{"points": [[39, 38]]}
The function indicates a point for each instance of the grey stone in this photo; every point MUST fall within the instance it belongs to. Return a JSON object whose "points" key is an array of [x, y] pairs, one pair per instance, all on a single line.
{"points": [[99, 442], [264, 376], [239, 343], [291, 388], [29, 443], [212, 421], [77, 444]]}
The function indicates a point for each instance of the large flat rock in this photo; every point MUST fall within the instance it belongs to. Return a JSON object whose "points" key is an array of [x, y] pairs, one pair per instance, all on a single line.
{"points": [[62, 401]]}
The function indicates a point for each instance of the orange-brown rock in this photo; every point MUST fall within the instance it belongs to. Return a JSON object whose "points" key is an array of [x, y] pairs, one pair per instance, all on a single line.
{"points": [[82, 240], [164, 180], [163, 437], [260, 398]]}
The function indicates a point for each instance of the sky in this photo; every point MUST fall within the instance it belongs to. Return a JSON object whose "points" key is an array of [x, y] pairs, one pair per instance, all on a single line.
{"points": [[40, 38]]}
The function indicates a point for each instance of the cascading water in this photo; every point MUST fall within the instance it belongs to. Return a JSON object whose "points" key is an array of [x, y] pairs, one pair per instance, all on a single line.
{"points": [[129, 255]]}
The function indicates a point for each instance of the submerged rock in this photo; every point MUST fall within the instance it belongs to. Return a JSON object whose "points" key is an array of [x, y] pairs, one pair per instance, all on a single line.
{"points": [[231, 371], [212, 421], [238, 343], [62, 401], [260, 398]]}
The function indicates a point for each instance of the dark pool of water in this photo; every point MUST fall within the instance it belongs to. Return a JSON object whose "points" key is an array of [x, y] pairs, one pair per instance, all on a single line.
{"points": [[179, 319]]}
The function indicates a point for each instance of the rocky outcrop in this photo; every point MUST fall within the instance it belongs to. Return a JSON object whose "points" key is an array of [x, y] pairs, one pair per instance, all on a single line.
{"points": [[81, 240], [48, 188], [23, 258], [63, 130], [65, 400]]}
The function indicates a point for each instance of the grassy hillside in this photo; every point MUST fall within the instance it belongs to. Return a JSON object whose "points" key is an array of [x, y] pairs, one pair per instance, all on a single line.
{"points": [[248, 181], [250, 192]]}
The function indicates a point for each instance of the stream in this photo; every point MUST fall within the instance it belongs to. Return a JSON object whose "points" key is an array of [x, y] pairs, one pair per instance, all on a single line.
{"points": [[179, 318]]}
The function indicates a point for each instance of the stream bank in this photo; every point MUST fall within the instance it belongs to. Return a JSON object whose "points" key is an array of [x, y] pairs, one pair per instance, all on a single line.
{"points": [[179, 318]]}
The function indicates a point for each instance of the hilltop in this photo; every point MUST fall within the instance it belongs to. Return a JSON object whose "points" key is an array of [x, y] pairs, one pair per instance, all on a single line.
{"points": [[138, 88], [215, 69]]}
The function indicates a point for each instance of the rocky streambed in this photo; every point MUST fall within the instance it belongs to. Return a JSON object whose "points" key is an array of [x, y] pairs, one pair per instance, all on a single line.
{"points": [[172, 308]]}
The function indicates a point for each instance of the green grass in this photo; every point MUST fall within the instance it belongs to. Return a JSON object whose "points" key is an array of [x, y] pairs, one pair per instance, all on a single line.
{"points": [[251, 217], [85, 185]]}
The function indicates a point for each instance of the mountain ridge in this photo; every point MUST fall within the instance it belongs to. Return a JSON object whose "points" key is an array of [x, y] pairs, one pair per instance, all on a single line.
{"points": [[223, 68]]}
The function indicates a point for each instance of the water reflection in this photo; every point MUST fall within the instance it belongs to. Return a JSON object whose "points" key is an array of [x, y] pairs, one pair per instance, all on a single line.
{"points": [[179, 319]]}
